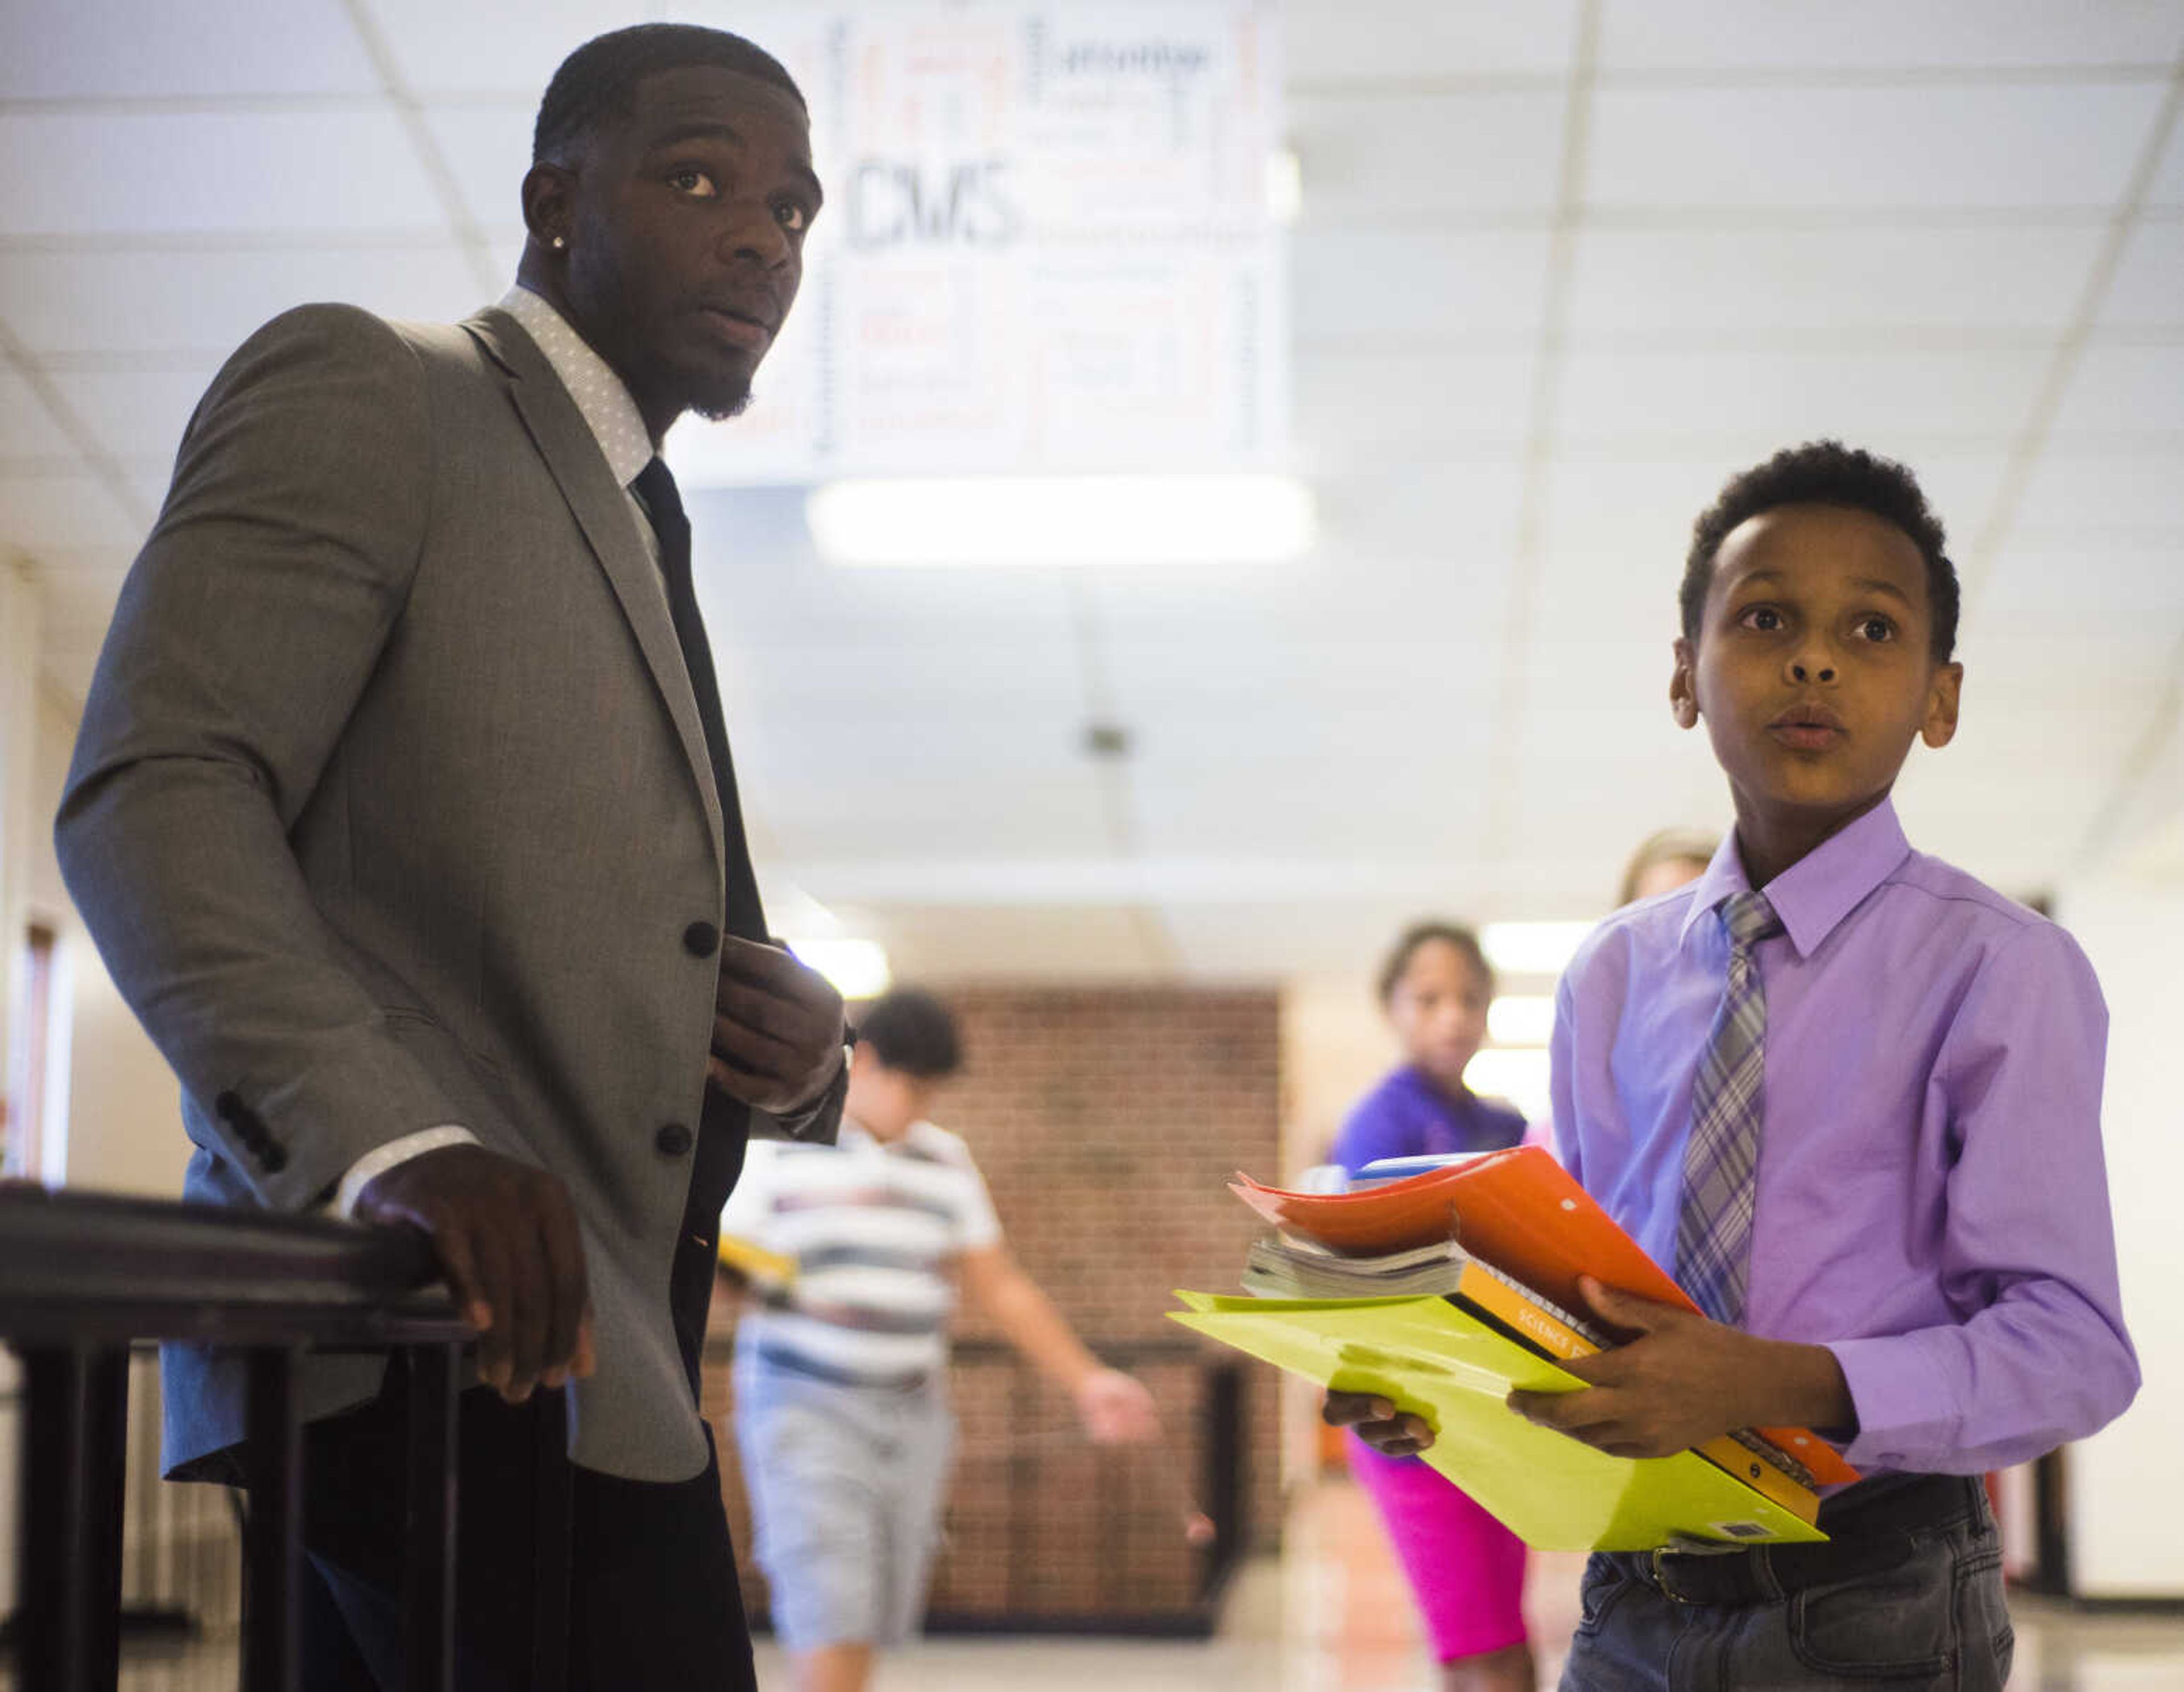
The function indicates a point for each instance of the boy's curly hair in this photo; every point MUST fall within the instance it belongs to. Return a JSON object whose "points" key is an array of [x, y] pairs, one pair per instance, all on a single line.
{"points": [[1825, 473]]}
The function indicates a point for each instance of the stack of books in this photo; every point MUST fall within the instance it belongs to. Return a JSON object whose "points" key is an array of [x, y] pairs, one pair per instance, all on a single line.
{"points": [[1443, 1288]]}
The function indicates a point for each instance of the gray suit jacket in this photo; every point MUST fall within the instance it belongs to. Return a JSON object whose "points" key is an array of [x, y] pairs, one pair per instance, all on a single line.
{"points": [[391, 808]]}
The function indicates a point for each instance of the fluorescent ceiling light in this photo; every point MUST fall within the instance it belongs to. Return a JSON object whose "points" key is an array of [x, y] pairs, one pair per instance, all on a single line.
{"points": [[1038, 520], [1521, 1019], [1285, 184], [858, 968], [1532, 948]]}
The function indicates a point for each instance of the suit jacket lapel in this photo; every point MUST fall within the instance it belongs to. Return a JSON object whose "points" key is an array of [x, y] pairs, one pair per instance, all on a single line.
{"points": [[602, 511]]}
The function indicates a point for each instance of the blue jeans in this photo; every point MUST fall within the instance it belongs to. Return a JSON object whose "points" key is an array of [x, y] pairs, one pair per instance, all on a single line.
{"points": [[1929, 1616]]}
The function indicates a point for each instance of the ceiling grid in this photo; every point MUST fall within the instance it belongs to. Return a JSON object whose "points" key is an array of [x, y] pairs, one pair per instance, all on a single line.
{"points": [[1560, 268]]}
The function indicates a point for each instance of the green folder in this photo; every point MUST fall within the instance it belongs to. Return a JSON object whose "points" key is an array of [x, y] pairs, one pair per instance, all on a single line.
{"points": [[1429, 1356]]}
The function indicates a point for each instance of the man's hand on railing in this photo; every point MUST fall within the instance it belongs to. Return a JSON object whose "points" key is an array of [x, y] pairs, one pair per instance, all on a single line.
{"points": [[506, 1234]]}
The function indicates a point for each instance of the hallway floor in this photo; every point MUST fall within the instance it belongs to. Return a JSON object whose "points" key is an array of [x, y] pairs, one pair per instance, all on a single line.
{"points": [[1329, 1616]]}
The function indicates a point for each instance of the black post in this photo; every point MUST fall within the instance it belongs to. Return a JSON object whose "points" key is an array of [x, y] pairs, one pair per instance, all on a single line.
{"points": [[428, 1561], [273, 1543], [75, 1459], [551, 1546], [1225, 1490], [2051, 1524]]}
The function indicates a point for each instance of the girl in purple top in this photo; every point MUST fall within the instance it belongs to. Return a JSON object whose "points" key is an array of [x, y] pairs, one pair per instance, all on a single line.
{"points": [[1466, 1568]]}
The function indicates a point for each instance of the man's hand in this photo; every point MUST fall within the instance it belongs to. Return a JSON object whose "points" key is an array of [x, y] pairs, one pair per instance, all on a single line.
{"points": [[776, 1029], [506, 1234], [1374, 1420], [1683, 1380], [1116, 1410]]}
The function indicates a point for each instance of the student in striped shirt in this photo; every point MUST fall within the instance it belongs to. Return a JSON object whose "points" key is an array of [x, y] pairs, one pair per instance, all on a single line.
{"points": [[841, 1369]]}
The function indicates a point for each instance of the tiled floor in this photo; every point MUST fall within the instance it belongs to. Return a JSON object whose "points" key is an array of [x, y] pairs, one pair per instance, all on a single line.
{"points": [[1329, 1616]]}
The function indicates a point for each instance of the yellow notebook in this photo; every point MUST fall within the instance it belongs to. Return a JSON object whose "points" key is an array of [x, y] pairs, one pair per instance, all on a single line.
{"points": [[755, 1263], [1426, 1356]]}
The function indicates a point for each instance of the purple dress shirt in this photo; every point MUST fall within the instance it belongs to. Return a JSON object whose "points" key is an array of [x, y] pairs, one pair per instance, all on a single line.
{"points": [[1409, 1115], [1931, 1200]]}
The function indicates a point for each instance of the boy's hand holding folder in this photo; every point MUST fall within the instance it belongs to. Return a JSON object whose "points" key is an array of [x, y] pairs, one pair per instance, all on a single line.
{"points": [[1680, 1380], [1480, 1314]]}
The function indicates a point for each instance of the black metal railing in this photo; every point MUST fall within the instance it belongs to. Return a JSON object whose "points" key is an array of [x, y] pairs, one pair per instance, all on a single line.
{"points": [[82, 1276]]}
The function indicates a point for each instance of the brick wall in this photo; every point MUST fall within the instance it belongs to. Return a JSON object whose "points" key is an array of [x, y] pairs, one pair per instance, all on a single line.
{"points": [[1107, 1122]]}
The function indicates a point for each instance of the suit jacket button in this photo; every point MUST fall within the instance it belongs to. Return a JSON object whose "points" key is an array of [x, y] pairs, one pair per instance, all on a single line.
{"points": [[701, 939], [672, 1141]]}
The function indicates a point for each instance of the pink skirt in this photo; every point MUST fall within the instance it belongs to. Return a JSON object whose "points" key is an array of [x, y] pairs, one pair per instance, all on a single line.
{"points": [[1466, 1569]]}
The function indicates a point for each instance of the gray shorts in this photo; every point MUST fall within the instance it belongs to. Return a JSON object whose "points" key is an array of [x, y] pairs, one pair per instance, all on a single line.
{"points": [[846, 1486]]}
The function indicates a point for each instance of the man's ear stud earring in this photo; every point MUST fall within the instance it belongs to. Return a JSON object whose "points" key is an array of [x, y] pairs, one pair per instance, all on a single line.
{"points": [[559, 242]]}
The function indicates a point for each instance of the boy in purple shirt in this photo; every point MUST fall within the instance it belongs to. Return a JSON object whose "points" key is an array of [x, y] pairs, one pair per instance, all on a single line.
{"points": [[1912, 1251]]}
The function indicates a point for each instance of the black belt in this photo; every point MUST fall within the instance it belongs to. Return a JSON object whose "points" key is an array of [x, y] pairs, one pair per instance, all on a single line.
{"points": [[1869, 1529]]}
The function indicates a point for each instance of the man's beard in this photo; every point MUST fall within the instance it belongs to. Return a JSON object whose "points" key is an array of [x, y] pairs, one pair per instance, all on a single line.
{"points": [[723, 401]]}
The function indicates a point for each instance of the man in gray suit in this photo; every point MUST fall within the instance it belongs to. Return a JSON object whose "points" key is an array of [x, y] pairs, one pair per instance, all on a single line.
{"points": [[404, 815]]}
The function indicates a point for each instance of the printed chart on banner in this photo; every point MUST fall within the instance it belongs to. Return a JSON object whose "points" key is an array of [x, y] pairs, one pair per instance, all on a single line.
{"points": [[1046, 246]]}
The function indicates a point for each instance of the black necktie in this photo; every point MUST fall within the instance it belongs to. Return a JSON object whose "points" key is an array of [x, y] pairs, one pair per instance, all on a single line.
{"points": [[724, 1124], [663, 503]]}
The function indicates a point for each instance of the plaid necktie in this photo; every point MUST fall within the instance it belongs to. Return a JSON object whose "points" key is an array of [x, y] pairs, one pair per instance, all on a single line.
{"points": [[1713, 1234]]}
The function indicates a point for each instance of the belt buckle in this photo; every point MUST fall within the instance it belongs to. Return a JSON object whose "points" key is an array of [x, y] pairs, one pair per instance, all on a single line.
{"points": [[1661, 1576]]}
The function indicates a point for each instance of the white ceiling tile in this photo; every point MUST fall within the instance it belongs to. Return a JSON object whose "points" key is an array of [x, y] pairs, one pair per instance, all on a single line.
{"points": [[67, 511], [136, 413], [507, 47], [1790, 150], [2065, 590], [881, 806], [1326, 41], [855, 680], [2074, 497], [2071, 664], [1442, 572], [933, 945], [1493, 152], [2148, 289], [2167, 188], [1310, 808], [155, 302], [27, 430], [1375, 410], [1810, 36], [488, 149], [1880, 399], [1621, 525], [1732, 281], [1407, 287], [2007, 750], [946, 742], [72, 173], [2123, 389], [101, 49], [1461, 513]]}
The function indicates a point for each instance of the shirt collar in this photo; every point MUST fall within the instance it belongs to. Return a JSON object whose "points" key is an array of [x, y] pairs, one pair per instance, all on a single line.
{"points": [[1821, 888], [609, 411]]}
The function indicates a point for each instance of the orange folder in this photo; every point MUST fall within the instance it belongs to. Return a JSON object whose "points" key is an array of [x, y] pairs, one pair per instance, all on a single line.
{"points": [[1521, 1211]]}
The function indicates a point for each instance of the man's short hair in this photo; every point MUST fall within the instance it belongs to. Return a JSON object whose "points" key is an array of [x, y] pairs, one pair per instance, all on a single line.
{"points": [[1825, 473], [597, 82], [911, 1031]]}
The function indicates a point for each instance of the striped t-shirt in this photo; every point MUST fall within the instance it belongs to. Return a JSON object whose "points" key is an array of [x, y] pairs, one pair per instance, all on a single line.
{"points": [[873, 1229]]}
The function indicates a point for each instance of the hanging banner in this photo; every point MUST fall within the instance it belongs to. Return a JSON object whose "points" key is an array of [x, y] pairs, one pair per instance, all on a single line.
{"points": [[1047, 245]]}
